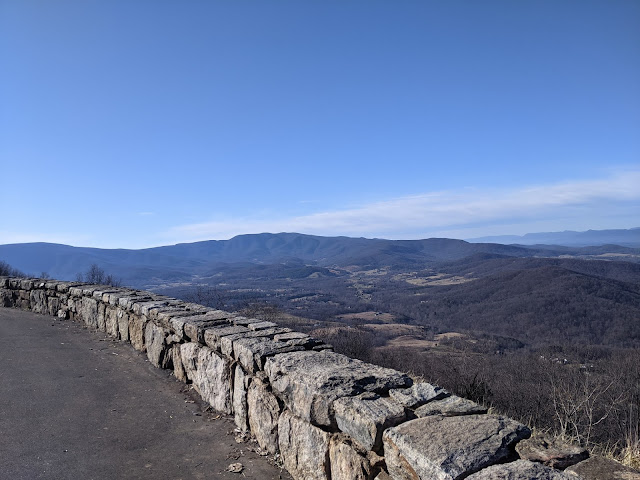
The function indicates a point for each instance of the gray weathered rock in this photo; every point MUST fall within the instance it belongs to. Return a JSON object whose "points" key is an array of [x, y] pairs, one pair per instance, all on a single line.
{"points": [[111, 321], [520, 470], [264, 412], [226, 342], [383, 476], [304, 448], [142, 306], [251, 352], [53, 305], [240, 386], [366, 416], [213, 380], [157, 348], [599, 468], [195, 326], [137, 326], [176, 360], [209, 373], [346, 462], [123, 324], [447, 448], [38, 299], [553, 453], [290, 336], [212, 335], [418, 394], [189, 356], [261, 325], [6, 297], [449, 407], [102, 319], [309, 382], [89, 312]]}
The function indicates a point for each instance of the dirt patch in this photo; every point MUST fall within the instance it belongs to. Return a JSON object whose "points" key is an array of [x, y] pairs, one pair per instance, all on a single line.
{"points": [[369, 317]]}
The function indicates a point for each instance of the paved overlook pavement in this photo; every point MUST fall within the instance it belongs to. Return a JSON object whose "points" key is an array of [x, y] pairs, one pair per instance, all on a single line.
{"points": [[75, 404]]}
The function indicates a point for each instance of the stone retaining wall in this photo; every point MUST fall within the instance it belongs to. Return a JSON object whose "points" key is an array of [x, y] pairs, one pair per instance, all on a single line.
{"points": [[327, 415]]}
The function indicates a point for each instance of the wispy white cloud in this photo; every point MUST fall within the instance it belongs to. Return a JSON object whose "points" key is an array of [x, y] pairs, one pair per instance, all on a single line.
{"points": [[473, 210]]}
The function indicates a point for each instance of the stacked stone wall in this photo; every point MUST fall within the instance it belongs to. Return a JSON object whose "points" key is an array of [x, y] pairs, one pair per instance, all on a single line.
{"points": [[327, 415]]}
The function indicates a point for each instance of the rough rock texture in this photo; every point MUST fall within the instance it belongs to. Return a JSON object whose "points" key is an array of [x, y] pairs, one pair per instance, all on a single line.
{"points": [[346, 462], [111, 322], [101, 318], [195, 326], [383, 476], [137, 325], [212, 335], [520, 470], [240, 386], [449, 407], [227, 342], [446, 448], [552, 453], [309, 382], [366, 416], [88, 311], [418, 394], [264, 412], [598, 468], [157, 351], [189, 356], [38, 301], [123, 325], [304, 448], [252, 353], [178, 367], [213, 380]]}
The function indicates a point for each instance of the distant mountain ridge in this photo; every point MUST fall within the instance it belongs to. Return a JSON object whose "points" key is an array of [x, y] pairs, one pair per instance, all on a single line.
{"points": [[185, 261], [623, 237]]}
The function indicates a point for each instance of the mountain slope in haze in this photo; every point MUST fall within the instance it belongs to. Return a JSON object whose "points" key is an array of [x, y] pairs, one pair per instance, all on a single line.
{"points": [[183, 261], [483, 265], [545, 304], [623, 237]]}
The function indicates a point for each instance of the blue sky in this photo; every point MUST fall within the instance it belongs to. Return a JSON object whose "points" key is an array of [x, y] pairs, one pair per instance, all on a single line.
{"points": [[142, 123]]}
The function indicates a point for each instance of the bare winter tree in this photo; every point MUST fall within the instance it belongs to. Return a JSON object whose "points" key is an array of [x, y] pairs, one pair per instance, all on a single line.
{"points": [[205, 295], [8, 271], [97, 275]]}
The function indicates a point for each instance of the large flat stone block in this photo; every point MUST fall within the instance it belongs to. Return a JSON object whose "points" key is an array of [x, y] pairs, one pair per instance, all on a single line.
{"points": [[252, 352], [599, 468], [449, 407], [309, 382], [418, 394], [520, 470], [366, 416], [449, 448]]}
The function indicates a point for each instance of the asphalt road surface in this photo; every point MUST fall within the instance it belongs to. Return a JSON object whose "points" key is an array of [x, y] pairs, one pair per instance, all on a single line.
{"points": [[75, 404]]}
